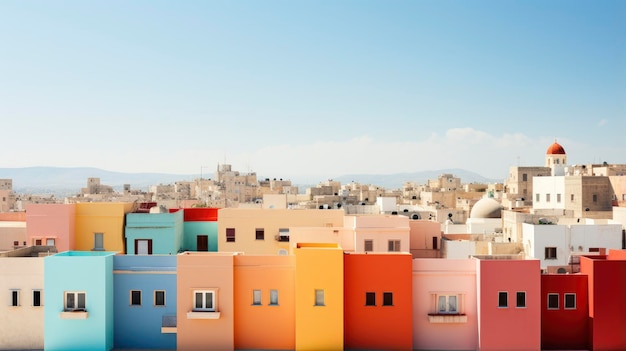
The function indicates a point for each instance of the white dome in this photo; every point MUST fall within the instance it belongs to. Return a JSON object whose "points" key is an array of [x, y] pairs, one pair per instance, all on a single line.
{"points": [[487, 208]]}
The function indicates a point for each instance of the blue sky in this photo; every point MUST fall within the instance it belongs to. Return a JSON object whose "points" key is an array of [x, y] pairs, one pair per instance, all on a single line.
{"points": [[311, 89]]}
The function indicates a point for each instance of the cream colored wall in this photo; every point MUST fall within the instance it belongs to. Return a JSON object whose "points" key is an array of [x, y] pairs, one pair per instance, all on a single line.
{"points": [[10, 232], [344, 237], [246, 221], [21, 327]]}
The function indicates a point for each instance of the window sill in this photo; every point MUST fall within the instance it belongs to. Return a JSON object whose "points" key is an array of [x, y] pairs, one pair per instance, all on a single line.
{"points": [[447, 318], [169, 330], [203, 315], [74, 315]]}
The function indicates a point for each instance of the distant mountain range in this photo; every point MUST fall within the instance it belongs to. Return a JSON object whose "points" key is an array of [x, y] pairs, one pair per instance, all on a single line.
{"points": [[66, 181]]}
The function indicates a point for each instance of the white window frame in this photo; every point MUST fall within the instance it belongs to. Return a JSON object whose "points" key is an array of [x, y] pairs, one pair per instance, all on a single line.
{"points": [[446, 299], [164, 298], [48, 240], [76, 295], [558, 302], [565, 301], [204, 305]]}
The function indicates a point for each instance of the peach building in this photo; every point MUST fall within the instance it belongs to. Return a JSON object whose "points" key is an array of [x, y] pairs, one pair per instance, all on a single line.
{"points": [[319, 297], [444, 304], [51, 225], [267, 231], [100, 226], [425, 238], [379, 233], [378, 301], [509, 305], [265, 305], [205, 309]]}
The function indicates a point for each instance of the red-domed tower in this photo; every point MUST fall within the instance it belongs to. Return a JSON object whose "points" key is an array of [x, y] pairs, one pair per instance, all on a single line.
{"points": [[556, 156]]}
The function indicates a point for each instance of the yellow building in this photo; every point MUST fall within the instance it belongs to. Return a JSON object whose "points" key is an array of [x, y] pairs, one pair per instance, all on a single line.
{"points": [[267, 231], [319, 297], [100, 226]]}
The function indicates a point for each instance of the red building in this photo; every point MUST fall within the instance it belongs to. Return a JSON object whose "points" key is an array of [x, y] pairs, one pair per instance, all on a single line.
{"points": [[378, 310], [564, 312], [607, 310]]}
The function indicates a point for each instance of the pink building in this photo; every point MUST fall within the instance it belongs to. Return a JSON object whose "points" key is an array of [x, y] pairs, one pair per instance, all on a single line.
{"points": [[51, 225], [425, 237], [444, 304], [509, 304]]}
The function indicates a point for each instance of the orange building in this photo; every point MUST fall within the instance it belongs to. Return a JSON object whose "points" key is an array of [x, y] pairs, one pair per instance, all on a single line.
{"points": [[265, 304], [378, 308]]}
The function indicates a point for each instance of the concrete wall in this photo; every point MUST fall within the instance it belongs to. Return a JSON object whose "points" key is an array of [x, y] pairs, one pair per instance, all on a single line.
{"points": [[55, 221], [102, 217], [164, 229]]}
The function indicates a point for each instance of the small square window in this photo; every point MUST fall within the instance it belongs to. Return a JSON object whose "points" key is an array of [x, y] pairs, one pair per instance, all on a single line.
{"points": [[36, 298], [75, 301], [230, 235], [319, 297], [594, 198], [370, 299], [537, 197], [387, 299], [260, 234], [159, 297], [570, 301], [553, 301], [368, 245], [394, 246], [550, 253], [558, 198], [503, 299], [447, 304], [521, 299], [273, 297], [135, 297], [256, 297], [204, 300]]}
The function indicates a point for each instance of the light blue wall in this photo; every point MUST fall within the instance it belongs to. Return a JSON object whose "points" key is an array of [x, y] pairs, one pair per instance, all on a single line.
{"points": [[139, 327], [89, 272], [193, 229], [165, 230]]}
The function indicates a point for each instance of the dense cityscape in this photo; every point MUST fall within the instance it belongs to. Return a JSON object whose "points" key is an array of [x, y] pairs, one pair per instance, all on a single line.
{"points": [[232, 262]]}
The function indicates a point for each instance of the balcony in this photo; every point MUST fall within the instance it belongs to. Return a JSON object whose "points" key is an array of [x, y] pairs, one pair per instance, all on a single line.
{"points": [[168, 325], [74, 314], [203, 315], [447, 318]]}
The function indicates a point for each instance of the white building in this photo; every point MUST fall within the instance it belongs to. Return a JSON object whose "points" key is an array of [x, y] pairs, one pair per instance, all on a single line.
{"points": [[553, 244]]}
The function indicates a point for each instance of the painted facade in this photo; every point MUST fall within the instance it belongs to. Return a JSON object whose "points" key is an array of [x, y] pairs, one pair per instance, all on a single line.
{"points": [[378, 311], [319, 297], [154, 233], [51, 224], [79, 305], [200, 229], [508, 304], [379, 233], [425, 238], [12, 235], [266, 231], [22, 309], [265, 302], [100, 226], [564, 312], [444, 304], [607, 288], [144, 302], [205, 312]]}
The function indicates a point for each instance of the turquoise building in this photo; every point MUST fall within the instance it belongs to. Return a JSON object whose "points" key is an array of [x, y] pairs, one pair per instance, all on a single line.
{"points": [[145, 301], [200, 229], [154, 233], [78, 312]]}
